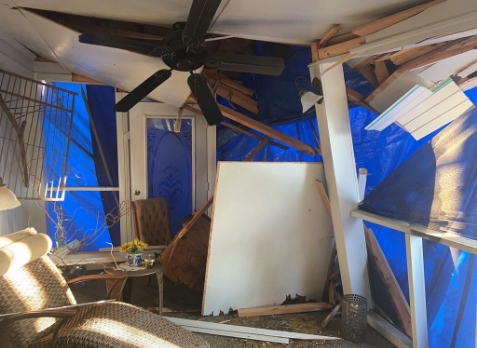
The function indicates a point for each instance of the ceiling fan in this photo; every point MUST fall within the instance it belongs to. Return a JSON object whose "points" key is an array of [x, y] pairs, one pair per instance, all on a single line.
{"points": [[183, 49]]}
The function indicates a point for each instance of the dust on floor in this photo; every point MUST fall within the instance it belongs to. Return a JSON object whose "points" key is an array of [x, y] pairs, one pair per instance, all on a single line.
{"points": [[186, 304]]}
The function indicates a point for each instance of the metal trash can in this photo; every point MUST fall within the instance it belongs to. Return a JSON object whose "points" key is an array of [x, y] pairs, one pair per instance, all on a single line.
{"points": [[353, 318]]}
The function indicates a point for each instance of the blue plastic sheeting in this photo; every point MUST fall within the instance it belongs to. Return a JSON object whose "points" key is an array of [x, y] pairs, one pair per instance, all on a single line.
{"points": [[81, 215], [451, 323], [234, 146]]}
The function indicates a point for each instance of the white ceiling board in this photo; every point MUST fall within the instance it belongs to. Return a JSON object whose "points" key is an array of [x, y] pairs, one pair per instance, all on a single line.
{"points": [[436, 24], [450, 66], [111, 66], [398, 88], [160, 12], [299, 21]]}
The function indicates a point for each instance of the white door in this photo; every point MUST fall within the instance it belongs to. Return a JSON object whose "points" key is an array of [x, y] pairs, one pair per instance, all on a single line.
{"points": [[200, 166]]}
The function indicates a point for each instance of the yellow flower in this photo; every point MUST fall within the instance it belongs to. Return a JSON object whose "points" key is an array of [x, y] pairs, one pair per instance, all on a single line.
{"points": [[133, 247]]}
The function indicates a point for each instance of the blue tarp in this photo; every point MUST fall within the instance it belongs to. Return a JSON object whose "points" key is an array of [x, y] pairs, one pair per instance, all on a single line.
{"points": [[451, 323]]}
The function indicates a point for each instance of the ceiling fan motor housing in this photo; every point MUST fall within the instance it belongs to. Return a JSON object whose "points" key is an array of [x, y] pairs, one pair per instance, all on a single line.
{"points": [[177, 56]]}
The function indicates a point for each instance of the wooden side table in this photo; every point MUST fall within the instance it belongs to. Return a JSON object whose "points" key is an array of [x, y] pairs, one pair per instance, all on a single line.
{"points": [[126, 289]]}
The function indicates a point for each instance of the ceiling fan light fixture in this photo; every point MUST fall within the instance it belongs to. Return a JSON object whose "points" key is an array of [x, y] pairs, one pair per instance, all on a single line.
{"points": [[309, 98], [8, 200]]}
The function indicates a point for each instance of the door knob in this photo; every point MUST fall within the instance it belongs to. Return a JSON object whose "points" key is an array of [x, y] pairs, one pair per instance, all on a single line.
{"points": [[137, 192]]}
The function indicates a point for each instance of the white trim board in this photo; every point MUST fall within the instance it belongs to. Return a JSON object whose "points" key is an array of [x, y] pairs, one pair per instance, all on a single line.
{"points": [[270, 237]]}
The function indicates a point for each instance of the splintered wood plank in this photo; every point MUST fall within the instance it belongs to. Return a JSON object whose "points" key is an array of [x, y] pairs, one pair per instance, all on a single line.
{"points": [[338, 49], [252, 135], [330, 316], [447, 50], [398, 308], [283, 309], [260, 127], [381, 71], [405, 55], [257, 148], [324, 196], [388, 21], [332, 32]]}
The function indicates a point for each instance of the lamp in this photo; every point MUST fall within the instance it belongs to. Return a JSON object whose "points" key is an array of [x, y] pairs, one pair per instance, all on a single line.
{"points": [[309, 98], [8, 200]]}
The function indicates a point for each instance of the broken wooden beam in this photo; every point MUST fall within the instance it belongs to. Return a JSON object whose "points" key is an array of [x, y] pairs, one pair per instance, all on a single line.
{"points": [[283, 309], [335, 50], [262, 128], [358, 99], [328, 35], [330, 316], [252, 135], [256, 149]]}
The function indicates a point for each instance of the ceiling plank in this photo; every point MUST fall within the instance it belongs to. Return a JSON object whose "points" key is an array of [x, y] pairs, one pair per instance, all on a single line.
{"points": [[388, 21], [262, 128], [450, 49]]}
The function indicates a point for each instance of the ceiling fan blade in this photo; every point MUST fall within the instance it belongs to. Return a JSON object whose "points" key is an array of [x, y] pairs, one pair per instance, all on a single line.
{"points": [[122, 43], [200, 16], [141, 91], [246, 64], [200, 89]]}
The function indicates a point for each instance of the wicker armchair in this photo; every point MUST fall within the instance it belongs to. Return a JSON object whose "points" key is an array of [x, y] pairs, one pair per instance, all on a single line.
{"points": [[32, 290]]}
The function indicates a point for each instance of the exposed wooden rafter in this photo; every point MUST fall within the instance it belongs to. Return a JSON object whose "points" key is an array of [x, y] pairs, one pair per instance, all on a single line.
{"points": [[262, 128]]}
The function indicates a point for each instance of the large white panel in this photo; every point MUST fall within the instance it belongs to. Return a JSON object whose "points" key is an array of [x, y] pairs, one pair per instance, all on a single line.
{"points": [[270, 236]]}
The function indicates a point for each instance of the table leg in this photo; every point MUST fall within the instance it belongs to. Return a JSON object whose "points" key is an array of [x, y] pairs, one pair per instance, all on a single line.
{"points": [[161, 288], [127, 290]]}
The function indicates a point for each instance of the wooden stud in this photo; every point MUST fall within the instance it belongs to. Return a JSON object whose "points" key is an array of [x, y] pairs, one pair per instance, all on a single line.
{"points": [[257, 148], [358, 99], [340, 61], [368, 73], [260, 127], [388, 21], [178, 123], [405, 55], [330, 316], [399, 301], [336, 50], [252, 135], [329, 34], [381, 71], [324, 196], [283, 309]]}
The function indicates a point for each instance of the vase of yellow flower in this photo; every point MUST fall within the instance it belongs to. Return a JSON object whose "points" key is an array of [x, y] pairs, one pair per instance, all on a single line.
{"points": [[134, 251]]}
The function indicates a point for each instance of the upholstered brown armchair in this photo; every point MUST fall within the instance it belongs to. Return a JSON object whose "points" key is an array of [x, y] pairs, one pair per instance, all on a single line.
{"points": [[37, 308], [151, 220]]}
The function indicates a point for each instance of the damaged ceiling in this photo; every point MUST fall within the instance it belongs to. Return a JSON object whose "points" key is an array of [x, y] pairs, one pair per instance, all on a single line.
{"points": [[297, 22]]}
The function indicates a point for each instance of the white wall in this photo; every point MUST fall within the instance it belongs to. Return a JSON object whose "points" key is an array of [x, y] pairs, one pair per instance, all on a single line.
{"points": [[17, 59]]}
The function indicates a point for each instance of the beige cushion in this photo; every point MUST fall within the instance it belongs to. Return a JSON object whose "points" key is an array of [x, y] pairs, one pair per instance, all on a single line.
{"points": [[19, 248]]}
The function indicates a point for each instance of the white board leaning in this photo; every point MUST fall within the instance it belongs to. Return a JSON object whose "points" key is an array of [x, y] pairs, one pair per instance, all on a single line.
{"points": [[270, 235]]}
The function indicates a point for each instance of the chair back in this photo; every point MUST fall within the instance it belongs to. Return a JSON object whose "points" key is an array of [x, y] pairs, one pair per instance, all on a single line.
{"points": [[151, 220], [31, 282]]}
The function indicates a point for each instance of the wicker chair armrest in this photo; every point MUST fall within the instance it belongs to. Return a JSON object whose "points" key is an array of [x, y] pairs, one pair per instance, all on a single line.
{"points": [[119, 281], [96, 277], [57, 313]]}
